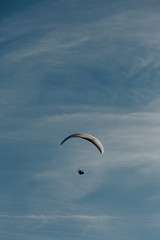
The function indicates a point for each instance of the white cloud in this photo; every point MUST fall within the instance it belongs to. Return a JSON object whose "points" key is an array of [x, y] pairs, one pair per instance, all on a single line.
{"points": [[66, 38], [109, 43], [55, 217], [74, 68], [131, 141]]}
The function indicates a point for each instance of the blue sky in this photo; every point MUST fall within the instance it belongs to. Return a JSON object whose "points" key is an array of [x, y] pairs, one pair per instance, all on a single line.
{"points": [[80, 66]]}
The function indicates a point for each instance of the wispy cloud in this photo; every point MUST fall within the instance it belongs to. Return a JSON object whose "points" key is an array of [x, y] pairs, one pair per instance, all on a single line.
{"points": [[79, 67], [101, 32], [55, 217], [66, 51]]}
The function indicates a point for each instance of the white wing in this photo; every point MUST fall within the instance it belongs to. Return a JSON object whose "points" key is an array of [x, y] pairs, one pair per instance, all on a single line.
{"points": [[87, 137]]}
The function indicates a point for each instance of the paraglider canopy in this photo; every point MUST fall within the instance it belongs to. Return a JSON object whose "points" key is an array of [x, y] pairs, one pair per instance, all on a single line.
{"points": [[87, 137]]}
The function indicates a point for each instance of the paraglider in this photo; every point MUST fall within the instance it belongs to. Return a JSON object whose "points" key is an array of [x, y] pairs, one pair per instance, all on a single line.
{"points": [[87, 137]]}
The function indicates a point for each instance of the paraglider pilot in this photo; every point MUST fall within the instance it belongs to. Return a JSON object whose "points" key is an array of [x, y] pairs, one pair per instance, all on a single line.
{"points": [[80, 171]]}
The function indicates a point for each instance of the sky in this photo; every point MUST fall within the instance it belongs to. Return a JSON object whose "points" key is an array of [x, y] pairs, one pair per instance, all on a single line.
{"points": [[79, 66]]}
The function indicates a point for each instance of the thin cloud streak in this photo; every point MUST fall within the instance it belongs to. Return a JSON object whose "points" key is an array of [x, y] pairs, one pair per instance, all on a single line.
{"points": [[55, 217], [89, 218]]}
